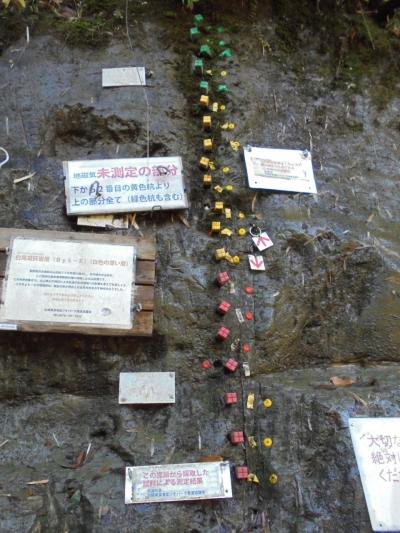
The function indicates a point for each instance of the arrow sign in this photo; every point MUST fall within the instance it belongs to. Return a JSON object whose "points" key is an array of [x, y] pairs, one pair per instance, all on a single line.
{"points": [[262, 241], [256, 262]]}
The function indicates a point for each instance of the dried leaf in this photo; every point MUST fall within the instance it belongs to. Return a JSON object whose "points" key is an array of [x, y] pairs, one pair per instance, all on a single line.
{"points": [[80, 460], [40, 482], [341, 382]]}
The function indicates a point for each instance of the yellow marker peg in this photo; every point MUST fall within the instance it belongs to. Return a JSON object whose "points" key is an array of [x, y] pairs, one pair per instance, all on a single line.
{"points": [[226, 170], [223, 73], [215, 107], [220, 254], [204, 163], [267, 403], [226, 232], [235, 259], [224, 126], [228, 258], [252, 478], [207, 122], [207, 145], [215, 226], [222, 107], [218, 207], [207, 180], [250, 401], [267, 442], [235, 145], [218, 188], [231, 126], [229, 188], [209, 72], [273, 479], [204, 100], [228, 213], [252, 442], [241, 215], [212, 165], [242, 232]]}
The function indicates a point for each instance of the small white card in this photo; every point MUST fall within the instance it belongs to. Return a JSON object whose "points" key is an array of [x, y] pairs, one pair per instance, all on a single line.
{"points": [[256, 262], [262, 241]]}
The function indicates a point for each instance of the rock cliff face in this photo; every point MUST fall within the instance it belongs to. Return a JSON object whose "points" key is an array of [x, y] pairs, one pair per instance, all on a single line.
{"points": [[327, 305]]}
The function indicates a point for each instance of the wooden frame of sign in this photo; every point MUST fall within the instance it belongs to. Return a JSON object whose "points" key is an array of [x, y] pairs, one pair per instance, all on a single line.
{"points": [[144, 279]]}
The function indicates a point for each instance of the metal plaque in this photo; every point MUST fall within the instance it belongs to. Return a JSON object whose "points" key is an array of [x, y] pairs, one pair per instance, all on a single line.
{"points": [[146, 387], [168, 483], [376, 443], [124, 185], [72, 283], [123, 77], [280, 170]]}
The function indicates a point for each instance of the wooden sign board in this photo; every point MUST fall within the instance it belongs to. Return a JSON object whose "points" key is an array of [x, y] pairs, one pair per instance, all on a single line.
{"points": [[119, 250]]}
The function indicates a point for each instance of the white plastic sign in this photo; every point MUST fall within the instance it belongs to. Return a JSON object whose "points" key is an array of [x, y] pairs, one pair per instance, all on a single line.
{"points": [[256, 262], [376, 443], [280, 170], [262, 241], [124, 185], [168, 483]]}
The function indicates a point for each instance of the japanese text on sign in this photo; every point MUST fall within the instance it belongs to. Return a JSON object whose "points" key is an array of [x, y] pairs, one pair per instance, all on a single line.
{"points": [[280, 170], [124, 185], [83, 283], [376, 443], [177, 482]]}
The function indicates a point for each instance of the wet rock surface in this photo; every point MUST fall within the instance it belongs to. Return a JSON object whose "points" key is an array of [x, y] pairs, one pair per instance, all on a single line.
{"points": [[327, 305]]}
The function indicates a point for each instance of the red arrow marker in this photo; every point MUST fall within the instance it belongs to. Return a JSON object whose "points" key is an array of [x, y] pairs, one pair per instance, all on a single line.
{"points": [[257, 262], [263, 240]]}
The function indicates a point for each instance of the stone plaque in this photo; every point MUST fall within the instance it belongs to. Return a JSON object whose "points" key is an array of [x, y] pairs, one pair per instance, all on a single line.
{"points": [[74, 283], [123, 77], [124, 185], [168, 483], [280, 170], [146, 387], [376, 443]]}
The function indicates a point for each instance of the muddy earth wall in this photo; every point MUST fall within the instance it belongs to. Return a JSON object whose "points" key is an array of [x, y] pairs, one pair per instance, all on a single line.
{"points": [[327, 305]]}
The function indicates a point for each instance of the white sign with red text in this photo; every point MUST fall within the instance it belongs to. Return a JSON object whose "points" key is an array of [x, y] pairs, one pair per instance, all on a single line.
{"points": [[168, 483], [262, 241], [124, 185]]}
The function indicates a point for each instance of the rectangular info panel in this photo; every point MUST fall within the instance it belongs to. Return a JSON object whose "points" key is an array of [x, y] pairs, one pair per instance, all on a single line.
{"points": [[280, 170], [168, 483], [124, 185], [376, 443], [53, 281]]}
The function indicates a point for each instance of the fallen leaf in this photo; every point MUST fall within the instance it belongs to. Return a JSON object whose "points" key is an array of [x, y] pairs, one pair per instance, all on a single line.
{"points": [[40, 482], [341, 382]]}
